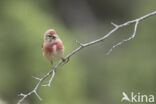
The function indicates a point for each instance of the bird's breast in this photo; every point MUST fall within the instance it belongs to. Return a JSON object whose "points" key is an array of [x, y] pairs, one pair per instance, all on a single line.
{"points": [[50, 48], [53, 52]]}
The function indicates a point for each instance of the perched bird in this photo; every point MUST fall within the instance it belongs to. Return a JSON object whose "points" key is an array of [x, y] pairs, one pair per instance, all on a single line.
{"points": [[53, 48]]}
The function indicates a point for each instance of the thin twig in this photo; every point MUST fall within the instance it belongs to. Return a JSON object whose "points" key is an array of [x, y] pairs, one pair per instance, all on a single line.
{"points": [[51, 79], [125, 40], [116, 27]]}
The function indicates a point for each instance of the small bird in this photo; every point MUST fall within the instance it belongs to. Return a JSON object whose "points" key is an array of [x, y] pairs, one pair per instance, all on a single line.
{"points": [[53, 48]]}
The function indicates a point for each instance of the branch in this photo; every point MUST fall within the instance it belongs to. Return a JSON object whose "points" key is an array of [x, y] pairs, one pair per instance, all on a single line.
{"points": [[125, 40], [81, 46]]}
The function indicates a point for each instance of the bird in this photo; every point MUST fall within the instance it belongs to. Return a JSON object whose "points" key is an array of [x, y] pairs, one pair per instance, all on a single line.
{"points": [[53, 48]]}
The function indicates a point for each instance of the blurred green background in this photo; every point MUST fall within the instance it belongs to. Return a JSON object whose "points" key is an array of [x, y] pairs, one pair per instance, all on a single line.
{"points": [[90, 77]]}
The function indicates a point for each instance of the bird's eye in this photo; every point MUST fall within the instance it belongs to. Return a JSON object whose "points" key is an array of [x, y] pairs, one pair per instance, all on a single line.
{"points": [[52, 36], [49, 35]]}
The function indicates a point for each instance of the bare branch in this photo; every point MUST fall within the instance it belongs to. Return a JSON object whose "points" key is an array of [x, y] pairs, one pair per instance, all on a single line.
{"points": [[116, 27], [125, 40], [79, 43], [49, 82], [36, 78], [37, 95]]}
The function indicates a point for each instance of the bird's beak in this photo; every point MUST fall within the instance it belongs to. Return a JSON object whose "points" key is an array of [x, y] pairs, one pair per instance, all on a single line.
{"points": [[54, 36]]}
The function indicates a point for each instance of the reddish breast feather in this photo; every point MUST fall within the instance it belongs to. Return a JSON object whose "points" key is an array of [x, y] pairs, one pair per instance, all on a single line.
{"points": [[59, 46], [48, 48]]}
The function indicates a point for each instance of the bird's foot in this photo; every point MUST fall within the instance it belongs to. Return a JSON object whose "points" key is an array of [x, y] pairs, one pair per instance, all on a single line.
{"points": [[65, 60]]}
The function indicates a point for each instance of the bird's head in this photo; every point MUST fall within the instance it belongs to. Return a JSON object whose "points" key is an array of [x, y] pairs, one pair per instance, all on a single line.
{"points": [[50, 36]]}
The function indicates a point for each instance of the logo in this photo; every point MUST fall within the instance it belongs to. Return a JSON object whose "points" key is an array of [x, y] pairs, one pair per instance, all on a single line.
{"points": [[138, 97]]}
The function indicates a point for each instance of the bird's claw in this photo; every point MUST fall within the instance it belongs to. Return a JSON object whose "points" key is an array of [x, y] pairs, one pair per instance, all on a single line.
{"points": [[65, 60]]}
